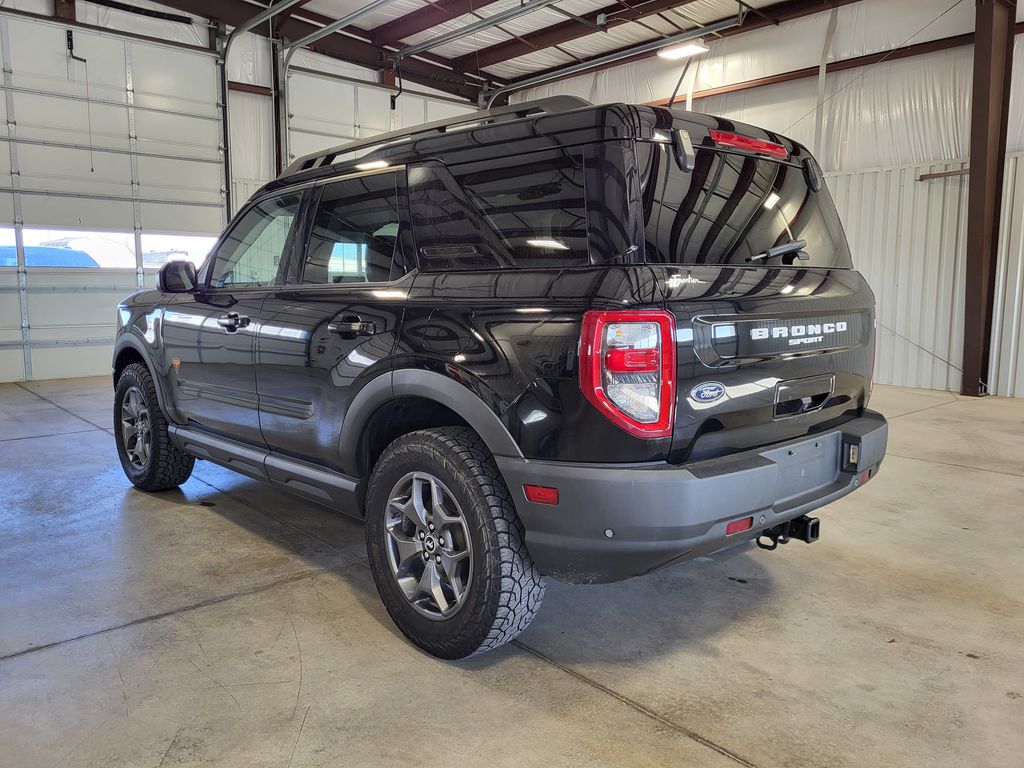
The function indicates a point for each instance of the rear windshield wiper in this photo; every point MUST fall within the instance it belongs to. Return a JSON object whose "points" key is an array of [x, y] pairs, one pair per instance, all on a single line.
{"points": [[782, 250]]}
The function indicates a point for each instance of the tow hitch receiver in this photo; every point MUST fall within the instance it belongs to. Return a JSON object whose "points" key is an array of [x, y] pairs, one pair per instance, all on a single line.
{"points": [[803, 528]]}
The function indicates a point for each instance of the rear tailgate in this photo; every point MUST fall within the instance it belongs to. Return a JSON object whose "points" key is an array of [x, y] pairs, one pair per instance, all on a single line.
{"points": [[766, 355], [774, 327]]}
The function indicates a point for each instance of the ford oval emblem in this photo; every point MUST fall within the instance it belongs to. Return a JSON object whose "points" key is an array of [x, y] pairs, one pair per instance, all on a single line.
{"points": [[707, 392]]}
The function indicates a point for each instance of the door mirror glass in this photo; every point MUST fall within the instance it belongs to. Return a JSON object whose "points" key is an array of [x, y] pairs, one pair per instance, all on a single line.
{"points": [[177, 277]]}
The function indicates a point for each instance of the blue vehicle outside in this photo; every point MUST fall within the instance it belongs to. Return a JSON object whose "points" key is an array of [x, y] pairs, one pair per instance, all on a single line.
{"points": [[45, 256]]}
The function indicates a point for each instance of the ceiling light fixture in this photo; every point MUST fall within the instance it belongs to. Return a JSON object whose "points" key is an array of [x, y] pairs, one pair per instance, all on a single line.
{"points": [[372, 165], [681, 51]]}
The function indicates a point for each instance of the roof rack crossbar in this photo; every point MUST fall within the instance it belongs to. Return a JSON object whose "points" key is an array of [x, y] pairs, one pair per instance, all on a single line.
{"points": [[510, 112]]}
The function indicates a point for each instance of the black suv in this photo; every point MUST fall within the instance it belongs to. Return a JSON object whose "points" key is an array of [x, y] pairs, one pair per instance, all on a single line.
{"points": [[552, 339]]}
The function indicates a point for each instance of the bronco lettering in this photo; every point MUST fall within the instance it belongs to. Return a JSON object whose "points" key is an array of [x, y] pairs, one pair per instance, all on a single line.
{"points": [[806, 333]]}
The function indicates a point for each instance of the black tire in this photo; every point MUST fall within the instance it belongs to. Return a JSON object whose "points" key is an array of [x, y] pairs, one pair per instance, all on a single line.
{"points": [[505, 589], [165, 467]]}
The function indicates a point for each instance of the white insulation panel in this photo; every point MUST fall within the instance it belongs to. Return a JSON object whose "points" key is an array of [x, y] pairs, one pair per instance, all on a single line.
{"points": [[326, 111], [1006, 375], [908, 238]]}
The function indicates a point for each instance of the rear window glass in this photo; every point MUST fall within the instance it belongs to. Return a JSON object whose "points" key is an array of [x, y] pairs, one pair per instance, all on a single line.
{"points": [[733, 207], [520, 211]]}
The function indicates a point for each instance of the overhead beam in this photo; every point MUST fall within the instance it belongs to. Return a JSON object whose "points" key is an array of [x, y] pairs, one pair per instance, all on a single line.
{"points": [[990, 108], [428, 17], [339, 46], [259, 90], [64, 9], [616, 14], [893, 54], [364, 34], [338, 24], [525, 8], [585, 66]]}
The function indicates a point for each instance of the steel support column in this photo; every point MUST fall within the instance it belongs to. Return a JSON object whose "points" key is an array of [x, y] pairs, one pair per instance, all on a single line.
{"points": [[993, 61], [281, 116]]}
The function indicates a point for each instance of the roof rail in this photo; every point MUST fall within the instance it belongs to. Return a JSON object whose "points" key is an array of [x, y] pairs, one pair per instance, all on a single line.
{"points": [[498, 114]]}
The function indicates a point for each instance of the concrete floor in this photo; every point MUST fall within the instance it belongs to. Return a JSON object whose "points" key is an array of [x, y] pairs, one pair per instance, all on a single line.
{"points": [[231, 625]]}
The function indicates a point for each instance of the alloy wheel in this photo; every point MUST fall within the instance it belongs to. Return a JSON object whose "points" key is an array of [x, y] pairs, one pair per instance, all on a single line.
{"points": [[136, 430], [428, 545]]}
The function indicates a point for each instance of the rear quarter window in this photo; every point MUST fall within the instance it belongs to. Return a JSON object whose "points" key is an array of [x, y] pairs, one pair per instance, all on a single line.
{"points": [[515, 212]]}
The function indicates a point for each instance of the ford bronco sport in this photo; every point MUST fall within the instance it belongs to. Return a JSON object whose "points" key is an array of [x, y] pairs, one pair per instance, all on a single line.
{"points": [[551, 339]]}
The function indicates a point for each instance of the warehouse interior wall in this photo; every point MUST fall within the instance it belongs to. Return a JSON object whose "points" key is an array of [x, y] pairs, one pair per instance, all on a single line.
{"points": [[885, 127], [330, 102], [112, 166]]}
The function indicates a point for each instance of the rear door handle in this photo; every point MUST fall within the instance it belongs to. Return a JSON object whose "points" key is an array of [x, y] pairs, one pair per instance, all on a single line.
{"points": [[349, 327], [232, 321]]}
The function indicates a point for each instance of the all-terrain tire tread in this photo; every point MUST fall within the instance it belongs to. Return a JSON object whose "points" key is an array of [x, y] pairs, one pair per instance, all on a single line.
{"points": [[520, 585], [169, 467]]}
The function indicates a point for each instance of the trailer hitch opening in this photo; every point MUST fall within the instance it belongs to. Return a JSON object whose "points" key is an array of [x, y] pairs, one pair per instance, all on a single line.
{"points": [[803, 528]]}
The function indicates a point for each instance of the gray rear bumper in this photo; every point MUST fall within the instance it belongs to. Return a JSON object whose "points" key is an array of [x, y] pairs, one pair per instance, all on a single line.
{"points": [[662, 513]]}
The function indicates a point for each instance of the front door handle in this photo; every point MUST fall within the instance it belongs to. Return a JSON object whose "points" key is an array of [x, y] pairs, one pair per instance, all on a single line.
{"points": [[351, 326], [232, 321]]}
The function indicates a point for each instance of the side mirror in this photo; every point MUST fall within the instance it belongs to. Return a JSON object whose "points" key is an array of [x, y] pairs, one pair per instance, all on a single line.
{"points": [[177, 277]]}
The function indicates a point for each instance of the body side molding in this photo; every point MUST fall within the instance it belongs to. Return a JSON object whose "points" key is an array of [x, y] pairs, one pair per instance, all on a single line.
{"points": [[317, 484]]}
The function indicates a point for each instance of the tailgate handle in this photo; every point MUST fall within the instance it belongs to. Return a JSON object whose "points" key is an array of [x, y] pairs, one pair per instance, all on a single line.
{"points": [[799, 396]]}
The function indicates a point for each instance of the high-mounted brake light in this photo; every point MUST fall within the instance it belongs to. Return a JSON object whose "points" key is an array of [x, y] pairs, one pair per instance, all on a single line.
{"points": [[628, 368], [748, 144]]}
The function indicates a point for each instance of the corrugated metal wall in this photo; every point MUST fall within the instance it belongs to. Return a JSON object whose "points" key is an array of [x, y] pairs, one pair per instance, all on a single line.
{"points": [[1007, 370], [908, 238]]}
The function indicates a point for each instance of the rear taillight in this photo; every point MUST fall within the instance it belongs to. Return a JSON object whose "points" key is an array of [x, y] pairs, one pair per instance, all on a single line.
{"points": [[749, 144], [628, 368]]}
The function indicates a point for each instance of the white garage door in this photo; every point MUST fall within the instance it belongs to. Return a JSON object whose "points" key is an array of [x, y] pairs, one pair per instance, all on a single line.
{"points": [[325, 111], [111, 166]]}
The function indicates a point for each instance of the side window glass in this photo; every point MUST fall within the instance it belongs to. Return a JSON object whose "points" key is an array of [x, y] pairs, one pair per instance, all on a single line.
{"points": [[250, 255], [354, 238], [522, 211]]}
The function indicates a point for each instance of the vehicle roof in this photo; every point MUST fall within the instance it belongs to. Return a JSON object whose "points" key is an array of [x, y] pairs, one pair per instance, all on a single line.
{"points": [[530, 126]]}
